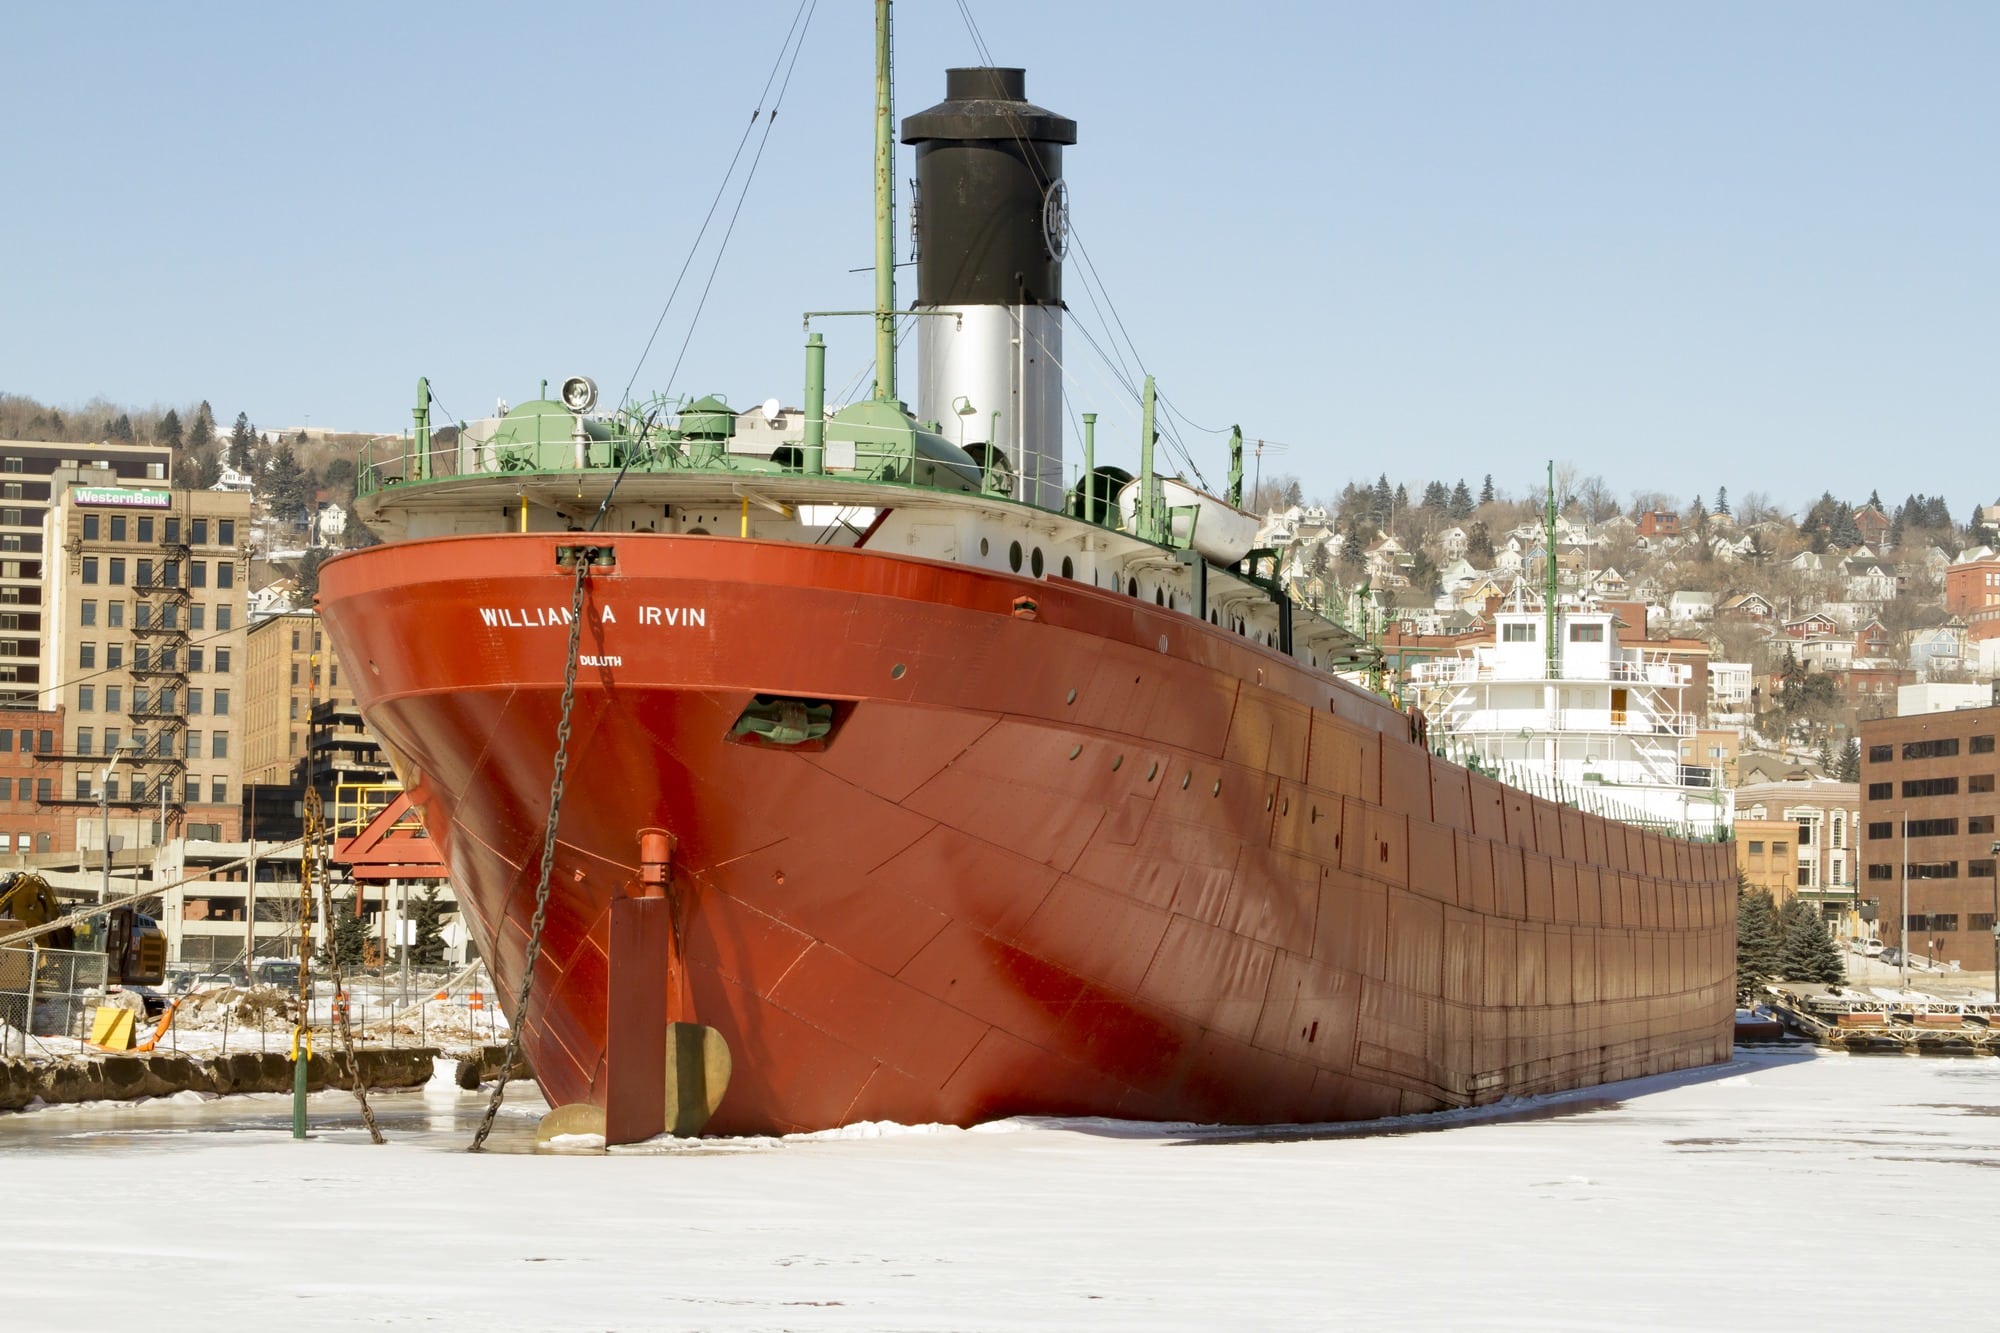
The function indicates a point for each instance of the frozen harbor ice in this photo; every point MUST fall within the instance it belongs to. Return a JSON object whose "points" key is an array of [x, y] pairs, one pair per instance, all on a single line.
{"points": [[1739, 1197]]}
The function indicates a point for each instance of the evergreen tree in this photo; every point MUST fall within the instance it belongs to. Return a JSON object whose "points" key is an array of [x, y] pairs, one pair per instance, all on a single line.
{"points": [[121, 429], [202, 433], [348, 936], [1848, 768], [428, 912], [1486, 490], [1401, 502], [240, 438], [288, 487], [1479, 546], [1436, 497], [1461, 501], [168, 432], [1875, 500], [1757, 940], [1808, 952], [1384, 500], [1722, 500]]}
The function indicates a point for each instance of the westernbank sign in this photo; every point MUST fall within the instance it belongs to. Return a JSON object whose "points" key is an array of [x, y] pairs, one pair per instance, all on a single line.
{"points": [[117, 497]]}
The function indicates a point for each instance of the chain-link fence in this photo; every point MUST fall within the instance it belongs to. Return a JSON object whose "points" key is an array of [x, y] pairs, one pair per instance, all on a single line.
{"points": [[47, 993]]}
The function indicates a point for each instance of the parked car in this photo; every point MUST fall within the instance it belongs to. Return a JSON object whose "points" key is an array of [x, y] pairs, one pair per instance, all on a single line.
{"points": [[1893, 957], [1869, 948], [280, 973]]}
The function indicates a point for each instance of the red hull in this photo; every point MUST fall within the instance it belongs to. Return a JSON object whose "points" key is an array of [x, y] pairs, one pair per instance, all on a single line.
{"points": [[1106, 860]]}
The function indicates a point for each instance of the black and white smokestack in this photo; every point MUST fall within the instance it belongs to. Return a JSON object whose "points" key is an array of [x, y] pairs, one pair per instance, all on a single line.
{"points": [[993, 219]]}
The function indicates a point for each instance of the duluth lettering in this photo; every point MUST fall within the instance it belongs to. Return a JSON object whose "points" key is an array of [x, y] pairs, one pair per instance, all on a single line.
{"points": [[541, 617]]}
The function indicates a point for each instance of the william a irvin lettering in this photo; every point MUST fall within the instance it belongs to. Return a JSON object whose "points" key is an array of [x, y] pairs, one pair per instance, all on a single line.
{"points": [[543, 617]]}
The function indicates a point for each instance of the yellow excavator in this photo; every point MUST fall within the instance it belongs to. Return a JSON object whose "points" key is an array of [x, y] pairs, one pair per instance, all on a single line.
{"points": [[134, 945]]}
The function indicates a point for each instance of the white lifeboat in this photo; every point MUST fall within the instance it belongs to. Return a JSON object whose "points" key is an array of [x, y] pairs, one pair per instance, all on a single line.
{"points": [[1222, 533]]}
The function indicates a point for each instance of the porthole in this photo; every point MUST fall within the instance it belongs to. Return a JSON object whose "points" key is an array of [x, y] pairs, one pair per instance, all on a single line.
{"points": [[1014, 557], [1072, 697], [1035, 562], [896, 671], [984, 546], [1075, 750], [1216, 790], [1186, 778], [1069, 570], [1152, 772]]}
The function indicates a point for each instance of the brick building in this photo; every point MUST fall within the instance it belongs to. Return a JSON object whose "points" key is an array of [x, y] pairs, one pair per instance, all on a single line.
{"points": [[27, 783], [1928, 810]]}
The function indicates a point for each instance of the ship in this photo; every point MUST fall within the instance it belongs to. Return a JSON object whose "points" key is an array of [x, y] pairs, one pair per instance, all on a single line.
{"points": [[928, 785]]}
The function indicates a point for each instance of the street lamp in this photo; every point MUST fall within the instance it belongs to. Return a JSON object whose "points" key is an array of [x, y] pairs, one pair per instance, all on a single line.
{"points": [[124, 750], [1995, 850]]}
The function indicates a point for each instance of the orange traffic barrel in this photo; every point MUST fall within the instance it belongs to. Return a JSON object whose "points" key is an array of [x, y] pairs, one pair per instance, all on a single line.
{"points": [[475, 1001], [340, 1006]]}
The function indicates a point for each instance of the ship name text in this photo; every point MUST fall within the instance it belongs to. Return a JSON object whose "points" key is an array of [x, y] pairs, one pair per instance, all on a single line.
{"points": [[542, 617]]}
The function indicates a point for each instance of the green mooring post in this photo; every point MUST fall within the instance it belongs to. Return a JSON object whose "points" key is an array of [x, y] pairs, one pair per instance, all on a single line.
{"points": [[299, 1084]]}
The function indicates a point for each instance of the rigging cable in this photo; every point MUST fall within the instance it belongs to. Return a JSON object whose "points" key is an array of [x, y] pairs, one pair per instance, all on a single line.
{"points": [[722, 188]]}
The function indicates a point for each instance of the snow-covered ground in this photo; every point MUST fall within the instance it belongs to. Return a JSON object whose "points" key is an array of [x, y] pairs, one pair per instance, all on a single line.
{"points": [[1787, 1190]]}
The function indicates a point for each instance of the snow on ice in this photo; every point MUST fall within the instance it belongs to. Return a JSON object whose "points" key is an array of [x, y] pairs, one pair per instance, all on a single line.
{"points": [[1774, 1192]]}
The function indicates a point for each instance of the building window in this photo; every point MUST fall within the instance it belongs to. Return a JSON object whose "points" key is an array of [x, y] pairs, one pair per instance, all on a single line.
{"points": [[91, 530], [11, 517], [295, 668], [195, 658], [218, 791], [142, 615], [1932, 870], [1756, 847], [1942, 749], [1805, 834], [1981, 745], [220, 703], [114, 656], [1931, 828], [1980, 923], [1780, 848], [222, 659], [45, 791], [223, 616], [1982, 869], [86, 656], [146, 528], [225, 532], [225, 573], [87, 613], [115, 614], [173, 531], [192, 748], [83, 787], [1979, 824], [48, 745], [199, 528], [218, 745], [295, 648], [196, 617], [1931, 787], [198, 574], [143, 576], [90, 569], [1979, 782], [1586, 634], [114, 698], [1517, 634], [85, 737], [295, 708], [86, 698], [1881, 791], [117, 571], [118, 527], [194, 701]]}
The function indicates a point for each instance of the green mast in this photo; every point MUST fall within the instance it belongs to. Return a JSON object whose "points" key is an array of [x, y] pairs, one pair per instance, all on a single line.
{"points": [[1549, 585], [885, 207]]}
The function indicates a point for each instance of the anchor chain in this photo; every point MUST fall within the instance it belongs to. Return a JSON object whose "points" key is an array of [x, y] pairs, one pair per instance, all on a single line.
{"points": [[339, 999], [583, 557]]}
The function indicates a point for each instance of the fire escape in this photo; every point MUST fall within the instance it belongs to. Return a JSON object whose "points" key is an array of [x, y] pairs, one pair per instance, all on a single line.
{"points": [[159, 678]]}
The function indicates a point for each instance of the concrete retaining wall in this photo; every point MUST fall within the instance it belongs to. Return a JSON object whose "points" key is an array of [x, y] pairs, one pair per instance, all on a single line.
{"points": [[128, 1077]]}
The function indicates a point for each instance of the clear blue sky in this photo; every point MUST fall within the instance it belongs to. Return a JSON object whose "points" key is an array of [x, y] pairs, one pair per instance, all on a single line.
{"points": [[1683, 245]]}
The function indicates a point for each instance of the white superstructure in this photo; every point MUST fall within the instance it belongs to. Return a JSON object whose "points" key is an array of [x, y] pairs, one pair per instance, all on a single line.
{"points": [[1600, 721]]}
